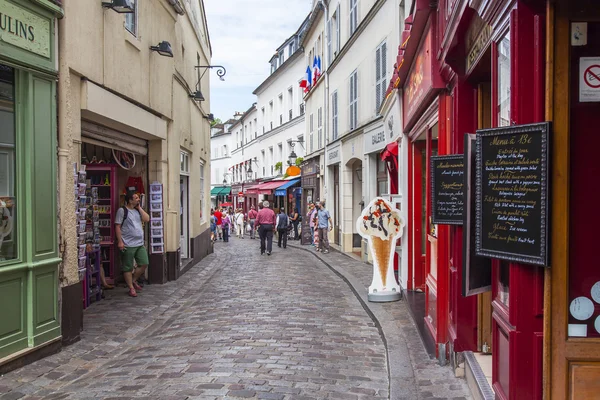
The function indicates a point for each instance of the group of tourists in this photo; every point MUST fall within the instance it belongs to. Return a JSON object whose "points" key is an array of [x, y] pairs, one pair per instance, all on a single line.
{"points": [[267, 222]]}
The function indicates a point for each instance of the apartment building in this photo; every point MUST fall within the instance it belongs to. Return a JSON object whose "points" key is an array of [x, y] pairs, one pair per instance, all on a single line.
{"points": [[353, 38]]}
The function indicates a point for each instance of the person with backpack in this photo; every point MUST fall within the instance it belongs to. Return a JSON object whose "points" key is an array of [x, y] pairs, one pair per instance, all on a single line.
{"points": [[282, 228], [130, 240]]}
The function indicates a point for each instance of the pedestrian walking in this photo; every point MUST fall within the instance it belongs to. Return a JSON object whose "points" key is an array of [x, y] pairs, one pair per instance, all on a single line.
{"points": [[239, 223], [266, 222], [252, 217], [225, 227], [130, 240], [295, 221], [310, 215], [282, 228], [324, 224], [219, 217], [213, 226]]}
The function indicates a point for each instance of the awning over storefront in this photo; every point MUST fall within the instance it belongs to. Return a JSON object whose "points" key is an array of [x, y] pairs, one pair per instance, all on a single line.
{"points": [[390, 151], [220, 191], [389, 155], [282, 190], [265, 187]]}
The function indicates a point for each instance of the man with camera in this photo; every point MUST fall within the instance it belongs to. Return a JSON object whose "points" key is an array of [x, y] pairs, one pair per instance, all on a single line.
{"points": [[130, 239]]}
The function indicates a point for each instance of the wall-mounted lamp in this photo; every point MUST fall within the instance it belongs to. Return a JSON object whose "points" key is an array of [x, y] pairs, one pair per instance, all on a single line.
{"points": [[120, 6], [197, 95], [293, 157], [210, 117], [359, 174], [163, 48], [249, 172], [225, 177]]}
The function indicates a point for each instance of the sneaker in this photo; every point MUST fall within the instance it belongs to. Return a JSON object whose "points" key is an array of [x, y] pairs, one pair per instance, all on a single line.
{"points": [[325, 251], [268, 253], [132, 292], [136, 286]]}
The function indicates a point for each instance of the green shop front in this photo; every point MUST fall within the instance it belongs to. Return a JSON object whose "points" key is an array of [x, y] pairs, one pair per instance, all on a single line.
{"points": [[29, 261]]}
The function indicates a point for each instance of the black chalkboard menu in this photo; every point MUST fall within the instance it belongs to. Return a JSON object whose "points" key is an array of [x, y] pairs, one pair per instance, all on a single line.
{"points": [[512, 193], [447, 181]]}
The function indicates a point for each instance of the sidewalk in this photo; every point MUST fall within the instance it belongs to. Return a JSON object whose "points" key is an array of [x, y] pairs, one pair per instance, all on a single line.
{"points": [[413, 374]]}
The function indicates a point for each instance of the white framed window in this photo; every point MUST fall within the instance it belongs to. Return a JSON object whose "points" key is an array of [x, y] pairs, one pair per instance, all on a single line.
{"points": [[380, 75], [281, 57], [353, 16], [184, 158], [311, 128], [353, 103], [202, 203], [334, 115], [329, 54], [131, 19], [338, 29], [320, 127]]}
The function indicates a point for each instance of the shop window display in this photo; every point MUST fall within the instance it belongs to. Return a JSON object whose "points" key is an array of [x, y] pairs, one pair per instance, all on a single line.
{"points": [[8, 202]]}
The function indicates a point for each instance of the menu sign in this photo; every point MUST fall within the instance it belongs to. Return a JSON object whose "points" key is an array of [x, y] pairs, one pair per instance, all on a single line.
{"points": [[512, 193], [447, 182]]}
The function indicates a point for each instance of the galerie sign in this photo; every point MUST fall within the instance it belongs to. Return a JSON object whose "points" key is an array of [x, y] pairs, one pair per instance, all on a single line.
{"points": [[24, 29]]}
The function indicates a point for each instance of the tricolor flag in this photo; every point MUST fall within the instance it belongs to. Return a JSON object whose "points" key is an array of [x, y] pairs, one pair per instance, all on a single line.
{"points": [[315, 71], [304, 84], [308, 77], [318, 67]]}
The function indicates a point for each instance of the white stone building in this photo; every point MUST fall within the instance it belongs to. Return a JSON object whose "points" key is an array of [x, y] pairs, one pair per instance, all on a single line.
{"points": [[358, 42]]}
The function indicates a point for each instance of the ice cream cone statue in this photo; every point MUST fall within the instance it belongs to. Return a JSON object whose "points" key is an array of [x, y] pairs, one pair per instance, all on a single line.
{"points": [[381, 225]]}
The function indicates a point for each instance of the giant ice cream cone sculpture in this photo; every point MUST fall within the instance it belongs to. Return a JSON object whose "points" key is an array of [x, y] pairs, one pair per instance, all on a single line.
{"points": [[381, 225]]}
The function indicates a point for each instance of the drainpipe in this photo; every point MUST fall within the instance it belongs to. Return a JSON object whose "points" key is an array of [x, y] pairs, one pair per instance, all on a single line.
{"points": [[326, 94]]}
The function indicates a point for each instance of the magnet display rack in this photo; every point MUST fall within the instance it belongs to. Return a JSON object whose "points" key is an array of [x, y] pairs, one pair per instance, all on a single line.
{"points": [[157, 245], [103, 179]]}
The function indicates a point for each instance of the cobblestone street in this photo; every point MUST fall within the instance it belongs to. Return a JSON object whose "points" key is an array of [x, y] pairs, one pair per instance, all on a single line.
{"points": [[239, 325]]}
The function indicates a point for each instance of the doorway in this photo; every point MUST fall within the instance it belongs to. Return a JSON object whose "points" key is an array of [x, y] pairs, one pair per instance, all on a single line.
{"points": [[336, 204], [184, 216]]}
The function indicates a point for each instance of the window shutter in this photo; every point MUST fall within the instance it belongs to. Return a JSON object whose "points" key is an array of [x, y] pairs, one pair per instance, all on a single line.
{"points": [[383, 61], [337, 28], [355, 99], [328, 43], [378, 78]]}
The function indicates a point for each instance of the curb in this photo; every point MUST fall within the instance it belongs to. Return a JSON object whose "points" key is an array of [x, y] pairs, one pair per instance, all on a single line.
{"points": [[402, 384]]}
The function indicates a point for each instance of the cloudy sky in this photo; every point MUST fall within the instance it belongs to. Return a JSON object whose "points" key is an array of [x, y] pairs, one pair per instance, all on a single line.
{"points": [[244, 35]]}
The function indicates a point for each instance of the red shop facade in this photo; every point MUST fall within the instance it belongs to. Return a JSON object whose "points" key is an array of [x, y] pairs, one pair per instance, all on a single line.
{"points": [[466, 65]]}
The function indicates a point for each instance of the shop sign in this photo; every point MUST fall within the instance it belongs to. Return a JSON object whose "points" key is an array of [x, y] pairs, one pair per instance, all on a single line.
{"points": [[447, 185], [422, 80], [589, 79], [310, 167], [24, 29], [375, 139], [477, 40], [512, 221], [333, 156]]}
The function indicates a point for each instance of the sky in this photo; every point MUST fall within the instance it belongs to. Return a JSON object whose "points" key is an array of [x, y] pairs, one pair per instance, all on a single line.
{"points": [[244, 35]]}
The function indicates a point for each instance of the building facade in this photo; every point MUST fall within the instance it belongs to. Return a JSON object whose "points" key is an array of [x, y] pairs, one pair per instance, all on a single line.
{"points": [[29, 245], [131, 115]]}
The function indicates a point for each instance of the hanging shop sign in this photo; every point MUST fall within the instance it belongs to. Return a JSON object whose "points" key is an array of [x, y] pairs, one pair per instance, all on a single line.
{"points": [[24, 29], [447, 182], [477, 271], [422, 84], [589, 79], [374, 139], [512, 193]]}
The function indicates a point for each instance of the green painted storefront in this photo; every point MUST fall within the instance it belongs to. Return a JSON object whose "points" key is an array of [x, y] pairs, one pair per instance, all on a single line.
{"points": [[29, 261]]}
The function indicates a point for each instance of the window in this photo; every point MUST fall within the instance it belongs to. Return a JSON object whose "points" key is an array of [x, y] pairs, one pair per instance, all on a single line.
{"points": [[334, 115], [201, 191], [8, 206], [353, 109], [381, 177], [380, 75], [291, 49], [320, 126], [328, 43], [131, 19], [281, 57], [280, 151], [311, 129], [504, 81], [280, 119], [353, 16], [301, 109], [337, 30], [184, 157]]}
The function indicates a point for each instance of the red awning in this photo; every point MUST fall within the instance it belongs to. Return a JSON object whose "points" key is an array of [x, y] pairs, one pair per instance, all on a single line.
{"points": [[390, 151], [264, 188], [389, 155]]}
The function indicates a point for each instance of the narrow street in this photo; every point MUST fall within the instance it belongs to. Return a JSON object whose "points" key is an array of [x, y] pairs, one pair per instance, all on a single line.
{"points": [[239, 325]]}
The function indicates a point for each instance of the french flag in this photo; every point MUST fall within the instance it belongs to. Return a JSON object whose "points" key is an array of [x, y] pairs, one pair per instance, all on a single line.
{"points": [[308, 78], [315, 71]]}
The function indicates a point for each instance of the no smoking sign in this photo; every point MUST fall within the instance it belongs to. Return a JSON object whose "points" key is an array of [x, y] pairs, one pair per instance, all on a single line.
{"points": [[589, 79]]}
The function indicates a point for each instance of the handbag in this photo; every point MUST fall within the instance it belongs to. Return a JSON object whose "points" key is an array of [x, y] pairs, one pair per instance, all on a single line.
{"points": [[248, 228]]}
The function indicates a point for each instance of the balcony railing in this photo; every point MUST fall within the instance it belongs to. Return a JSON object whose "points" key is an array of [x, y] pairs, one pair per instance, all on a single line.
{"points": [[301, 109], [290, 115]]}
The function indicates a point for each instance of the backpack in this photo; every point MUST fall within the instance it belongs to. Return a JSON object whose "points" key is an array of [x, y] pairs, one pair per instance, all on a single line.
{"points": [[126, 213]]}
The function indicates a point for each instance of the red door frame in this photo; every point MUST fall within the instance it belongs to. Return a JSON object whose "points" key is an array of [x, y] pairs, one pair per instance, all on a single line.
{"points": [[416, 269]]}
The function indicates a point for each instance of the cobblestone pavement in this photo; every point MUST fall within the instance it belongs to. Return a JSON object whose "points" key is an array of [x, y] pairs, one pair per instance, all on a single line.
{"points": [[239, 325]]}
